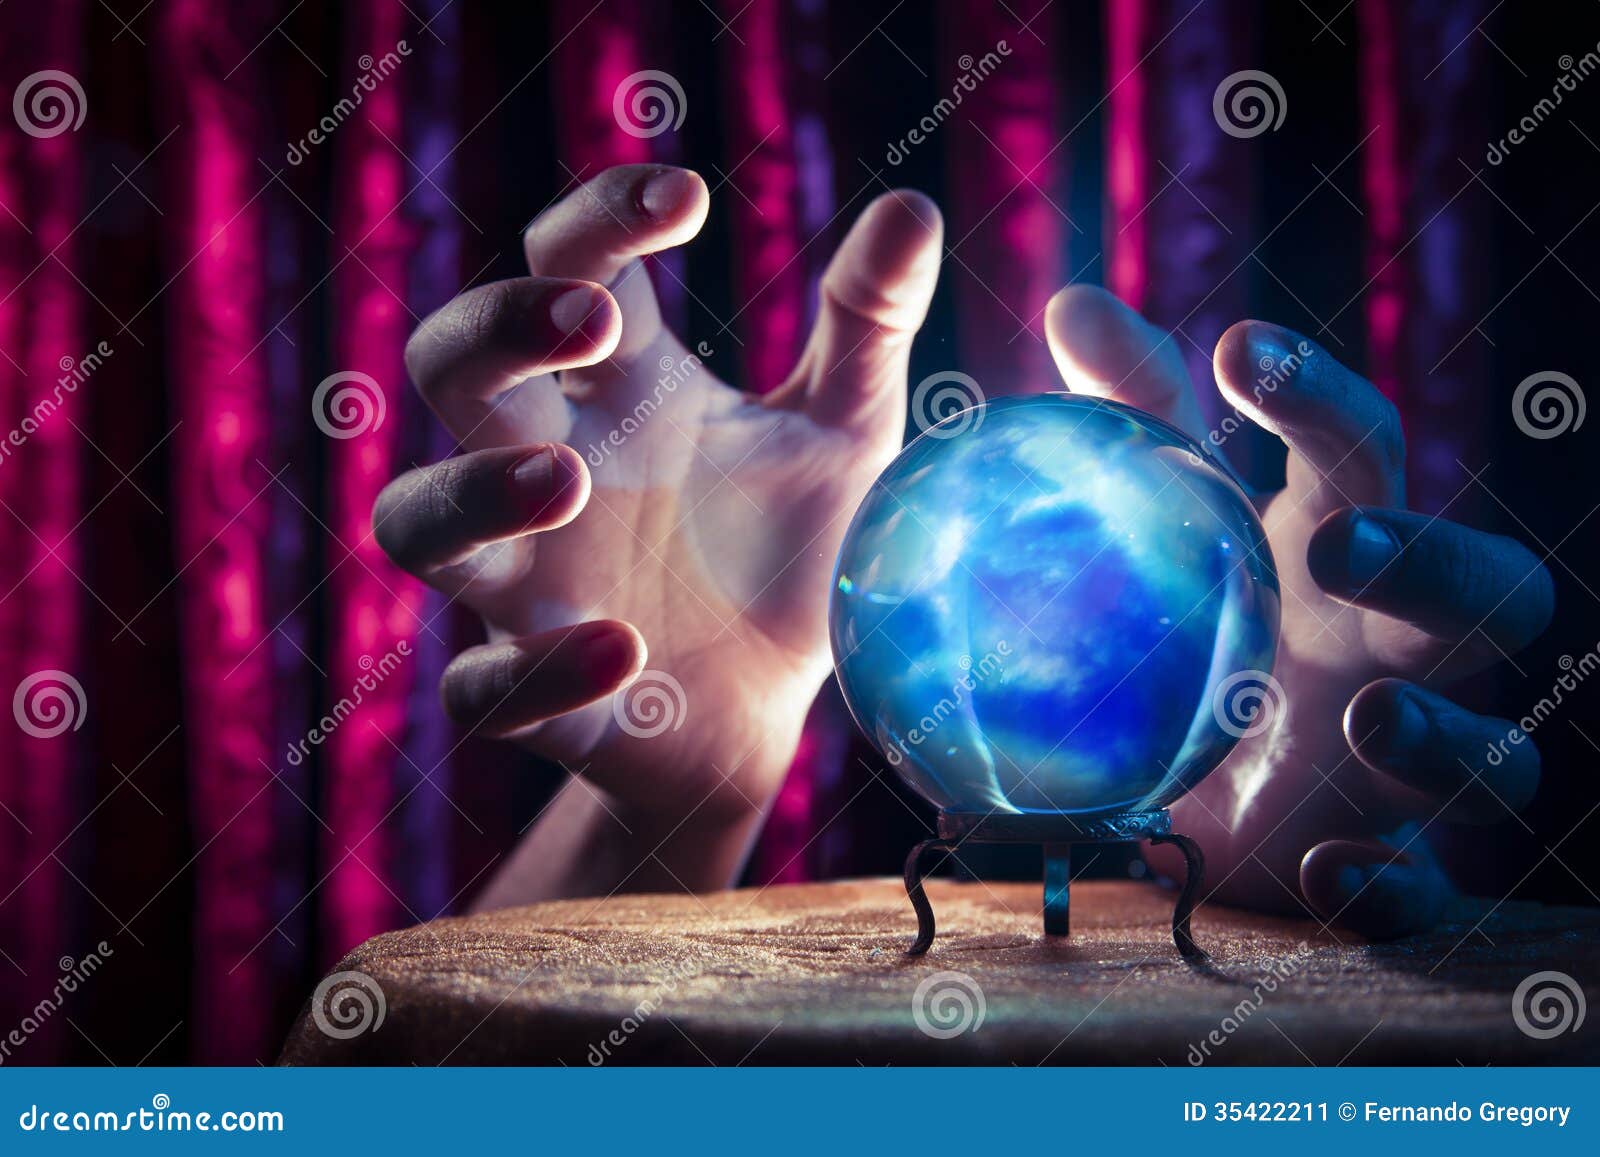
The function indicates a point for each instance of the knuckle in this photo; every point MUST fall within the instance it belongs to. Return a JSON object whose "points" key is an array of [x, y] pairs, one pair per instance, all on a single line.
{"points": [[483, 312]]}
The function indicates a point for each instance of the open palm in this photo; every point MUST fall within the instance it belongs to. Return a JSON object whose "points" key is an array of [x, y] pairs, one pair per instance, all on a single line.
{"points": [[658, 512]]}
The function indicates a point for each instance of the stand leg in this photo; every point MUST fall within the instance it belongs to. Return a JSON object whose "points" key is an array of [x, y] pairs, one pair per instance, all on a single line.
{"points": [[919, 898], [1057, 889], [1194, 881]]}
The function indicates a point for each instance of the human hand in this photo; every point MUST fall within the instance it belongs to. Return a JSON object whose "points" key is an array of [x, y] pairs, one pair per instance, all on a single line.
{"points": [[620, 506], [1381, 607]]}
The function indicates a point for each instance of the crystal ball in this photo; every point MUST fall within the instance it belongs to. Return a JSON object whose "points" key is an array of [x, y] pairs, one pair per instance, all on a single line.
{"points": [[1054, 604]]}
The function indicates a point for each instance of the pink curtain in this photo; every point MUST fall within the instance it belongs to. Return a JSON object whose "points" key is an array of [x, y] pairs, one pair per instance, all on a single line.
{"points": [[219, 382], [1008, 230], [277, 604], [43, 312], [1428, 233], [1181, 226], [373, 608]]}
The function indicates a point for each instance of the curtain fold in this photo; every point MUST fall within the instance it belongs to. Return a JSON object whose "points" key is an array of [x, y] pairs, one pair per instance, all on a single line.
{"points": [[373, 608], [1181, 224], [219, 383], [1428, 238], [43, 509], [1008, 231]]}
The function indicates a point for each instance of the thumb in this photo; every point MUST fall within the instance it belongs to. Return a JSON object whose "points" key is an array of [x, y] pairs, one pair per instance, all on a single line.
{"points": [[875, 294]]}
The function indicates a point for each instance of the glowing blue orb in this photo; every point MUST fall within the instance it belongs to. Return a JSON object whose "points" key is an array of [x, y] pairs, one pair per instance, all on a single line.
{"points": [[1049, 604]]}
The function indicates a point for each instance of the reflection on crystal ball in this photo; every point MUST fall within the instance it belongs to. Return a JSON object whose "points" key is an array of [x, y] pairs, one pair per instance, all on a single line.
{"points": [[1047, 604]]}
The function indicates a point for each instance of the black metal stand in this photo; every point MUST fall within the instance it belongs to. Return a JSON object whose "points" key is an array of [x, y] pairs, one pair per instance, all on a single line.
{"points": [[1057, 834]]}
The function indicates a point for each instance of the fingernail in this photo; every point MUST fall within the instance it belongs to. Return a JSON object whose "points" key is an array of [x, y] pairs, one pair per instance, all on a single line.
{"points": [[1269, 354], [1370, 548], [533, 473], [1350, 880], [609, 656], [1408, 731], [580, 309], [664, 191]]}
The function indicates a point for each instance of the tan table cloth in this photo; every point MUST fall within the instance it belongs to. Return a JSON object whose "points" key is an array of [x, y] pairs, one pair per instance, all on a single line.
{"points": [[817, 974]]}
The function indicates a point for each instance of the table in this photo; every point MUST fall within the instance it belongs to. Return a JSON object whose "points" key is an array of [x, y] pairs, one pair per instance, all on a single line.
{"points": [[816, 973]]}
